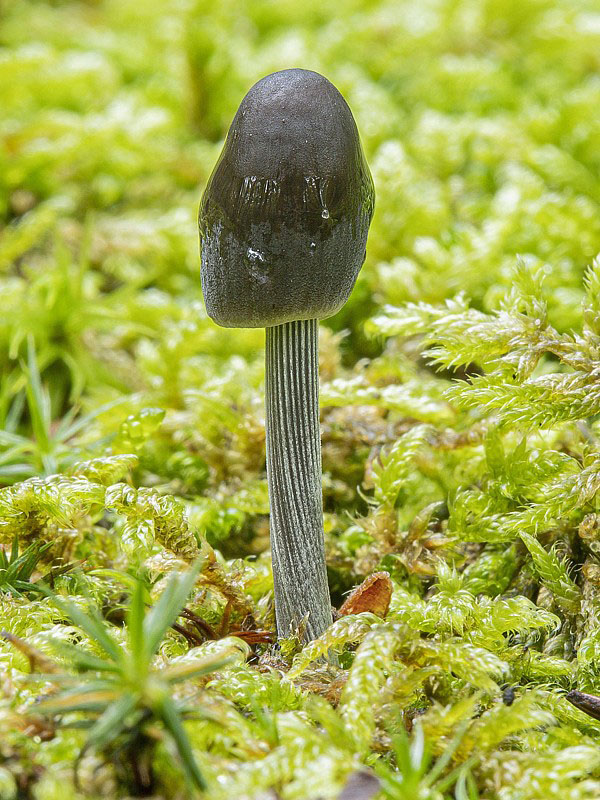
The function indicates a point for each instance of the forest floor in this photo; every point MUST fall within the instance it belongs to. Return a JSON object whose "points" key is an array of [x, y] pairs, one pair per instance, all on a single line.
{"points": [[460, 400]]}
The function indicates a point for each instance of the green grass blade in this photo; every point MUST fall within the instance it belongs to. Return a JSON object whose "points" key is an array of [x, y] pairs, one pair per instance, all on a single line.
{"points": [[69, 428], [14, 550], [135, 628], [22, 567], [14, 413], [168, 607], [37, 400], [112, 721], [82, 660], [95, 697], [172, 722], [195, 669], [91, 624], [8, 439]]}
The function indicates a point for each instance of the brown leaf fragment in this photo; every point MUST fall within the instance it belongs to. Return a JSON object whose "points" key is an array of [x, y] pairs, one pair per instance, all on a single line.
{"points": [[254, 637], [373, 594]]}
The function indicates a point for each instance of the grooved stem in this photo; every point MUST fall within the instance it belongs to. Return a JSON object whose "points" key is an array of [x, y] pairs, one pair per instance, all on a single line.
{"points": [[294, 476]]}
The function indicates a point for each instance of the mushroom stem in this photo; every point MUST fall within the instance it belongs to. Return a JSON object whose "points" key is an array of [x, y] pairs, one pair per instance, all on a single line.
{"points": [[294, 476]]}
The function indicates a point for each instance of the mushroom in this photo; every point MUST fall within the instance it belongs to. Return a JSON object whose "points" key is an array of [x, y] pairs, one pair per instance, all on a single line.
{"points": [[283, 229]]}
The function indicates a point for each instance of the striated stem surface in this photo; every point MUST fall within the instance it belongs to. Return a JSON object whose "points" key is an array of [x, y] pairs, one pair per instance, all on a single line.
{"points": [[294, 475]]}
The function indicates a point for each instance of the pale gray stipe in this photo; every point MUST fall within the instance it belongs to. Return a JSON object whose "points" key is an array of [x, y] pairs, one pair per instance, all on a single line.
{"points": [[294, 475]]}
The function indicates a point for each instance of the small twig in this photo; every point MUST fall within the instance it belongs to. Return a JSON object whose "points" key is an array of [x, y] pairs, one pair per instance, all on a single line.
{"points": [[38, 661], [192, 637], [201, 624], [588, 703]]}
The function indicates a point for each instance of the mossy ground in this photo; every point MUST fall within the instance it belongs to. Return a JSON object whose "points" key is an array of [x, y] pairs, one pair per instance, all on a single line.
{"points": [[460, 398]]}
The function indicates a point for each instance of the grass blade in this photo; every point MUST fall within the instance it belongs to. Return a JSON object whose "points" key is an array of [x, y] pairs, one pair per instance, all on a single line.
{"points": [[91, 624], [135, 628], [168, 607], [112, 721], [172, 722]]}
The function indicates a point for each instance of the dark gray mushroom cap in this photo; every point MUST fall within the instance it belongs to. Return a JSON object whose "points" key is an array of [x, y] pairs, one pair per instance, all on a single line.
{"points": [[285, 215]]}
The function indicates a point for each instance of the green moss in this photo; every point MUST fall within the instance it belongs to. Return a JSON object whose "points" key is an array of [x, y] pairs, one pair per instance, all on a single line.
{"points": [[460, 401]]}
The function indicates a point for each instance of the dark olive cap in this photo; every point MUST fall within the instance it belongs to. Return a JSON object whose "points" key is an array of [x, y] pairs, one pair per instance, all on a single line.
{"points": [[286, 212]]}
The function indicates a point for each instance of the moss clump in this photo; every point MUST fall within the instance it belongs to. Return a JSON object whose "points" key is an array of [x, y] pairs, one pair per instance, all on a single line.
{"points": [[460, 407]]}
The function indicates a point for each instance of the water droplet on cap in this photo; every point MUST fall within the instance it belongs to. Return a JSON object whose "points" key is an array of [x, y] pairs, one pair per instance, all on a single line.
{"points": [[254, 255]]}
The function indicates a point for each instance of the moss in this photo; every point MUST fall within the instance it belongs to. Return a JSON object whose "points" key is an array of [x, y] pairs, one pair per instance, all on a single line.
{"points": [[460, 403]]}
